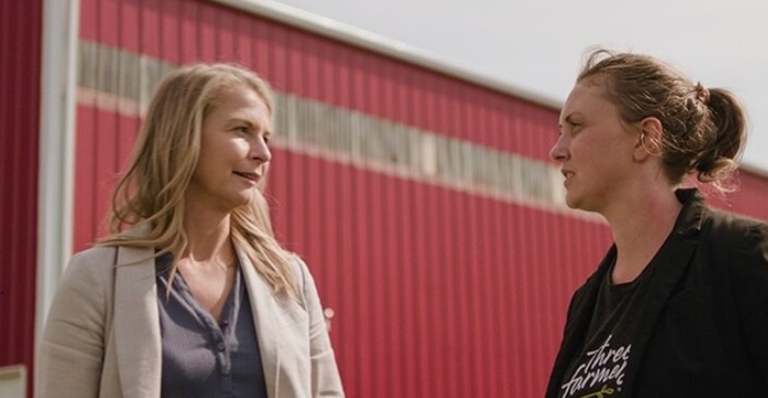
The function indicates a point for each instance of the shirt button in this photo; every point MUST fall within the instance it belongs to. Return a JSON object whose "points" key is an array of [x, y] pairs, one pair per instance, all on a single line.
{"points": [[221, 346]]}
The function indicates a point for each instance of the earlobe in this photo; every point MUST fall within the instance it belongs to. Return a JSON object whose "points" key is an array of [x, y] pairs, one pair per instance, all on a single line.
{"points": [[640, 153], [649, 143]]}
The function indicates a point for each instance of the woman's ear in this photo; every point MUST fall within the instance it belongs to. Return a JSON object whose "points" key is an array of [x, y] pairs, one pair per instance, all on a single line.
{"points": [[649, 140]]}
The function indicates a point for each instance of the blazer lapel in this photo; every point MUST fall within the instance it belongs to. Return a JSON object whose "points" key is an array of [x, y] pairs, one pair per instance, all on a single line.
{"points": [[264, 309], [137, 324], [670, 263]]}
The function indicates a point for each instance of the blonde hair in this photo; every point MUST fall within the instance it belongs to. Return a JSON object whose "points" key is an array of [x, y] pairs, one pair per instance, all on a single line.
{"points": [[151, 193]]}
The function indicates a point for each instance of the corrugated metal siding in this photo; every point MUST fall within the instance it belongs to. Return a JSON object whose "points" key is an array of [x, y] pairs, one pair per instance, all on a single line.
{"points": [[105, 138], [437, 293], [306, 65], [20, 49], [439, 290], [750, 198]]}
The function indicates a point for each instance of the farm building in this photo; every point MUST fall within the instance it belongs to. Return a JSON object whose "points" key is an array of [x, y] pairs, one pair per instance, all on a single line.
{"points": [[420, 194]]}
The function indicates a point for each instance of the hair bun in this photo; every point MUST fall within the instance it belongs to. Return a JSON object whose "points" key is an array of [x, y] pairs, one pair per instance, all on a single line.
{"points": [[702, 93]]}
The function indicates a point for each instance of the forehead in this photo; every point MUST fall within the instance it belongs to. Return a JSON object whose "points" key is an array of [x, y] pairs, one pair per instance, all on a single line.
{"points": [[589, 96], [239, 101]]}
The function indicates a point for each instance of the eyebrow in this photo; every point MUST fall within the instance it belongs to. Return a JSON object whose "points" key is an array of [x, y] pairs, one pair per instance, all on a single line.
{"points": [[237, 120]]}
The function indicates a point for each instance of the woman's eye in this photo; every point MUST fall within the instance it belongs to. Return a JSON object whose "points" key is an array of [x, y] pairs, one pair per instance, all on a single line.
{"points": [[576, 127]]}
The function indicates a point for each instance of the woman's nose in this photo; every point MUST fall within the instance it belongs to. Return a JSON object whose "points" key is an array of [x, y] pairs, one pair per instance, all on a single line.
{"points": [[559, 152], [260, 150]]}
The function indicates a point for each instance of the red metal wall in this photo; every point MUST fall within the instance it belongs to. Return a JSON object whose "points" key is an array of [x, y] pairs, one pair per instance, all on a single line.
{"points": [[438, 292], [20, 49], [750, 198]]}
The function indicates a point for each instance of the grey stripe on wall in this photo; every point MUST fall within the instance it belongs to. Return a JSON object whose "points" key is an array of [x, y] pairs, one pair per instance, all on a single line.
{"points": [[113, 78]]}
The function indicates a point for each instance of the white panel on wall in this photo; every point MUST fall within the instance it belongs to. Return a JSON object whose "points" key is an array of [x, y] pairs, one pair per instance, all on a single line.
{"points": [[13, 382]]}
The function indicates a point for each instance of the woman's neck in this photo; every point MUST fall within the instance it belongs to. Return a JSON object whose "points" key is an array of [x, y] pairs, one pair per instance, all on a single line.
{"points": [[208, 237], [640, 229]]}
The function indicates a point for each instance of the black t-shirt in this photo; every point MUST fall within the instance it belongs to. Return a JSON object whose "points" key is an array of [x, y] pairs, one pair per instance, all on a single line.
{"points": [[600, 368]]}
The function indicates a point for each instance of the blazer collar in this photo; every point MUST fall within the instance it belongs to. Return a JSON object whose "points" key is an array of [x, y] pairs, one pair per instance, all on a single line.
{"points": [[689, 222], [136, 323], [265, 306], [667, 267]]}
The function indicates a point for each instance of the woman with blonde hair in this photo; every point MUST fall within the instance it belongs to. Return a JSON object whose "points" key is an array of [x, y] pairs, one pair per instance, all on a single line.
{"points": [[191, 295]]}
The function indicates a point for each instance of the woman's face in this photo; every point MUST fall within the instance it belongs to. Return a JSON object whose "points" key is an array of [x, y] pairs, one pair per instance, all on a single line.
{"points": [[594, 149], [234, 151]]}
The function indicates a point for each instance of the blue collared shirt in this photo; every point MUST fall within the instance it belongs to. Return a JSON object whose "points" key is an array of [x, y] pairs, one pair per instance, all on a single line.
{"points": [[203, 357]]}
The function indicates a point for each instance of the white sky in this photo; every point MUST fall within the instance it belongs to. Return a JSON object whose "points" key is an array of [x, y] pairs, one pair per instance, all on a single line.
{"points": [[538, 45]]}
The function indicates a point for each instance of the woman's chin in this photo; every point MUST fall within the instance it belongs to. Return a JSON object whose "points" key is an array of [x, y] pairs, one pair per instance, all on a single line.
{"points": [[574, 201]]}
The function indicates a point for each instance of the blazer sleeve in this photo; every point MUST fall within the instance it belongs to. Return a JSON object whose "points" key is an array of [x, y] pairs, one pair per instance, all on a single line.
{"points": [[326, 381], [71, 349], [750, 286]]}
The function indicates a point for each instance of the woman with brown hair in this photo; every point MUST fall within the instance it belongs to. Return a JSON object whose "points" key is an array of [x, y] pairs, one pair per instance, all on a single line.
{"points": [[677, 308]]}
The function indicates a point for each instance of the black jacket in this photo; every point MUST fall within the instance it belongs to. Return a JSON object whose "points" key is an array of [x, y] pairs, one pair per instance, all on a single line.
{"points": [[703, 328]]}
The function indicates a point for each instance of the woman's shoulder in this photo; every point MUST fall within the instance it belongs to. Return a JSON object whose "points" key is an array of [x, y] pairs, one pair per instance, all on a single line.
{"points": [[726, 227], [95, 260], [95, 254], [303, 279], [88, 277], [736, 243], [298, 267]]}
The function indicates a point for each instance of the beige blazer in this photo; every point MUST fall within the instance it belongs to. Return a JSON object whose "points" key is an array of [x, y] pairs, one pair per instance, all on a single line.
{"points": [[102, 334]]}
